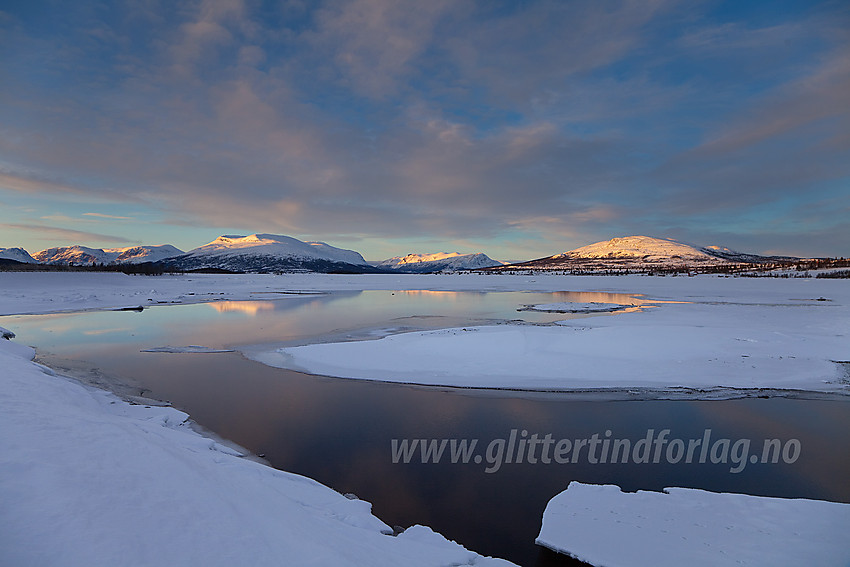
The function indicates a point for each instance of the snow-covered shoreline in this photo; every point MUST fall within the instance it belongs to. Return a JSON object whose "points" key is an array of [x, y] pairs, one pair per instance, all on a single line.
{"points": [[89, 479]]}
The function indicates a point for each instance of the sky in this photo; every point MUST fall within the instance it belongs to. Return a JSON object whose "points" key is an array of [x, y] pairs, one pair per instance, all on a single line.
{"points": [[518, 129]]}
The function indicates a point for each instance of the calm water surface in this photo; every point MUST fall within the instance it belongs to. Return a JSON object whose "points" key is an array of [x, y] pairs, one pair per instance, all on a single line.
{"points": [[339, 431]]}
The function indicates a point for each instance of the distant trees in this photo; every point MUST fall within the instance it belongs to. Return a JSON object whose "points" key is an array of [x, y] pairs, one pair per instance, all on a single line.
{"points": [[777, 268], [145, 269]]}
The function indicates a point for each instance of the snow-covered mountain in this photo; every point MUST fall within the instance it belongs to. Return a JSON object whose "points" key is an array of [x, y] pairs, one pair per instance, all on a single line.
{"points": [[645, 253], [83, 256], [643, 247], [254, 253], [74, 256], [269, 253], [139, 254], [278, 245], [438, 262], [16, 254]]}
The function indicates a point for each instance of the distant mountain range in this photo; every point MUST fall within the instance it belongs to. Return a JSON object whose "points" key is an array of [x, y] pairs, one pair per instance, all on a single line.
{"points": [[83, 256], [264, 253], [644, 253], [256, 253], [438, 262]]}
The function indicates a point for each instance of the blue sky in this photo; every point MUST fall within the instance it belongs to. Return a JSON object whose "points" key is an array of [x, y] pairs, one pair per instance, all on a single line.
{"points": [[520, 129]]}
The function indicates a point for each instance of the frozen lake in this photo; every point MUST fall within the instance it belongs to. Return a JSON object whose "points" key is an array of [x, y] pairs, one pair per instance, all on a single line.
{"points": [[339, 431]]}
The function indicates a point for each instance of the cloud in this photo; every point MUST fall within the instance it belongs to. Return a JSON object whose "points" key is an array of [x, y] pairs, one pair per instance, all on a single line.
{"points": [[40, 231], [214, 26], [21, 184], [817, 96], [766, 150], [103, 216], [60, 218], [374, 44], [66, 218], [467, 121], [29, 183]]}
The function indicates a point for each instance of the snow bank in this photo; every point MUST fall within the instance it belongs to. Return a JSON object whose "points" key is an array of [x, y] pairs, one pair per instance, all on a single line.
{"points": [[187, 349], [577, 307], [603, 526], [86, 479], [688, 345]]}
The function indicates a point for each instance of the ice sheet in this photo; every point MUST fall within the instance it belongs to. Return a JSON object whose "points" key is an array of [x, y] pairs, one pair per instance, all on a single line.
{"points": [[696, 343], [681, 526]]}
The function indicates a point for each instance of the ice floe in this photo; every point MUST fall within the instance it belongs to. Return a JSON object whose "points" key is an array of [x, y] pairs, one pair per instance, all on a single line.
{"points": [[602, 525]]}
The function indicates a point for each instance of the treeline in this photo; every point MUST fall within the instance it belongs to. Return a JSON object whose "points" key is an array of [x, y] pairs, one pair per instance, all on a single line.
{"points": [[147, 268], [786, 269], [781, 269], [836, 274], [822, 263], [143, 269]]}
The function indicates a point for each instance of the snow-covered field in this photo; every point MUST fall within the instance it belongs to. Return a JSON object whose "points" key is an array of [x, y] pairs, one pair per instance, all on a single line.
{"points": [[86, 478], [683, 526]]}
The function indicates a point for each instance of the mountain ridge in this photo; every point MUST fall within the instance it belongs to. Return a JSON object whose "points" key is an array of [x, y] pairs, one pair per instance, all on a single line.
{"points": [[262, 252], [77, 255], [437, 262], [273, 244], [644, 253]]}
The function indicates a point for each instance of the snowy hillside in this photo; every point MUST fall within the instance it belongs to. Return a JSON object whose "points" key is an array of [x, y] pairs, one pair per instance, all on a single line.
{"points": [[646, 253], [74, 255], [643, 247], [277, 245], [83, 256], [440, 261], [16, 254], [139, 254], [269, 253]]}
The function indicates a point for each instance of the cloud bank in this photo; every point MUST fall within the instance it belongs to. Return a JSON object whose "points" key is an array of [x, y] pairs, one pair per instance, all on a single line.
{"points": [[525, 129]]}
